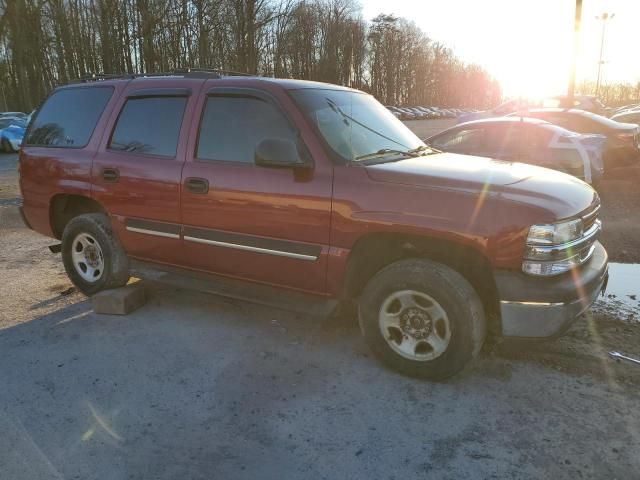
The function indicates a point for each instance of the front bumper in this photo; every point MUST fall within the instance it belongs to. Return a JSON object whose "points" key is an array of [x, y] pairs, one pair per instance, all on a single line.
{"points": [[542, 307], [15, 144]]}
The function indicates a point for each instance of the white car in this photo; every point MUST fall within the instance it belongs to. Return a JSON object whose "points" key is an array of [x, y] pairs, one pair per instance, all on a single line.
{"points": [[628, 116], [526, 140]]}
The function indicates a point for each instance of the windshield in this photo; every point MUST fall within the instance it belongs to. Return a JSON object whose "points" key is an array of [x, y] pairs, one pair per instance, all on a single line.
{"points": [[7, 122], [355, 125]]}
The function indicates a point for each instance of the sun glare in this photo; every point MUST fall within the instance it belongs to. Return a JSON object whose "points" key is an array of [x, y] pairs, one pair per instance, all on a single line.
{"points": [[527, 46]]}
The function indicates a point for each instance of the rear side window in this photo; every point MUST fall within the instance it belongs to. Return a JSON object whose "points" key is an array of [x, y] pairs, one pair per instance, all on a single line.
{"points": [[149, 125], [468, 140], [232, 127], [565, 121], [537, 137], [504, 139], [68, 117]]}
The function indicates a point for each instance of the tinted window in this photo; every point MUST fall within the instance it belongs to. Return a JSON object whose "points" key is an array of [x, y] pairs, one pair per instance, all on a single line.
{"points": [[232, 127], [540, 136], [68, 117], [149, 125], [7, 122], [466, 140], [504, 140], [569, 122]]}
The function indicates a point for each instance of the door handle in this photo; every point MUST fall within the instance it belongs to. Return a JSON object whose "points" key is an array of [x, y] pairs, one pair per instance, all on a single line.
{"points": [[110, 175], [197, 185]]}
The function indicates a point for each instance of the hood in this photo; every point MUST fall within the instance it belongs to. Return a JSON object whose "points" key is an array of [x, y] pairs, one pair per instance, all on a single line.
{"points": [[560, 194]]}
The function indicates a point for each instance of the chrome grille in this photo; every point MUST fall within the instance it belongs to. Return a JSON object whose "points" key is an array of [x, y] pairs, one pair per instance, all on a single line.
{"points": [[590, 218]]}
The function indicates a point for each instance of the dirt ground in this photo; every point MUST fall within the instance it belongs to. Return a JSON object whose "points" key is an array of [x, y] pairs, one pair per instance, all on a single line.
{"points": [[196, 386]]}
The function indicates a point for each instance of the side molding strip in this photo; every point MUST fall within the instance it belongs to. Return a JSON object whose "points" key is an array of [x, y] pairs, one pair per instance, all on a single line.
{"points": [[152, 232], [249, 248], [149, 227], [249, 243]]}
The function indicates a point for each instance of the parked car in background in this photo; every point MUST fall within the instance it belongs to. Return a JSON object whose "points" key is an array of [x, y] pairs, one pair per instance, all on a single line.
{"points": [[426, 113], [622, 147], [29, 117], [627, 116], [589, 103], [309, 196], [395, 111], [505, 108], [617, 110], [13, 114], [526, 140], [11, 133]]}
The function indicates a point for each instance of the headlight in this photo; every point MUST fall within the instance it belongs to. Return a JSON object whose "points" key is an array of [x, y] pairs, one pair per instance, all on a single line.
{"points": [[557, 248], [555, 233]]}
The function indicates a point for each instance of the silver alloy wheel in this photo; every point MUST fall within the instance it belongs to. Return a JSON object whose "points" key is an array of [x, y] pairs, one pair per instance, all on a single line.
{"points": [[414, 325], [87, 257]]}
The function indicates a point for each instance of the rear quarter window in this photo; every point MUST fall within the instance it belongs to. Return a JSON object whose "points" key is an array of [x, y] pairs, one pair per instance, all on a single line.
{"points": [[68, 117]]}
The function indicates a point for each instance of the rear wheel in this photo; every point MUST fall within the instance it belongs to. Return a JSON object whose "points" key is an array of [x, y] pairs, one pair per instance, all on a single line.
{"points": [[422, 318], [93, 257]]}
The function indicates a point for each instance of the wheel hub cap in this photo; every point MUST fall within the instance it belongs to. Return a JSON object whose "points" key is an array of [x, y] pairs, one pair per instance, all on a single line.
{"points": [[87, 257], [92, 256], [416, 323]]}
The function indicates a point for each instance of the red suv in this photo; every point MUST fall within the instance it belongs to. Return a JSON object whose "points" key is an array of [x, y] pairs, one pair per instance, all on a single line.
{"points": [[310, 197]]}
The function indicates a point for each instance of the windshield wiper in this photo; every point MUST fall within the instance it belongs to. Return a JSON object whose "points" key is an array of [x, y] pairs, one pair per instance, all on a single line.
{"points": [[422, 149], [413, 153], [387, 151]]}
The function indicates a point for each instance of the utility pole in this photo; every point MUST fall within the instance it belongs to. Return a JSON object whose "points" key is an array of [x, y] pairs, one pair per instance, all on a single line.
{"points": [[604, 17], [576, 43]]}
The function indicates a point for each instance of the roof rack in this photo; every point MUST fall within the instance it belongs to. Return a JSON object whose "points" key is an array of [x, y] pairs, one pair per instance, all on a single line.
{"points": [[185, 72]]}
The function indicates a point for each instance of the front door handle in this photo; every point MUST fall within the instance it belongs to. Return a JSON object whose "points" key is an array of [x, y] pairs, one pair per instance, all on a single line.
{"points": [[197, 185], [110, 175]]}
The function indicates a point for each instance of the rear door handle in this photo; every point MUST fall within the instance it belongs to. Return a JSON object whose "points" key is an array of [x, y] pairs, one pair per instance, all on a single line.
{"points": [[197, 185], [110, 175]]}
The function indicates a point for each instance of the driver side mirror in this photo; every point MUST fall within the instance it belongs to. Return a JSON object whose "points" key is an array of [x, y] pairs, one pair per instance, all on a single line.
{"points": [[279, 153]]}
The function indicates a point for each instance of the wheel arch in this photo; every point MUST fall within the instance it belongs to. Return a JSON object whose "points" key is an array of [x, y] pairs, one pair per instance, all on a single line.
{"points": [[375, 251], [63, 207]]}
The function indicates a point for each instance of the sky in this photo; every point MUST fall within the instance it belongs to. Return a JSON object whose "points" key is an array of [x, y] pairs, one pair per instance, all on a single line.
{"points": [[528, 44]]}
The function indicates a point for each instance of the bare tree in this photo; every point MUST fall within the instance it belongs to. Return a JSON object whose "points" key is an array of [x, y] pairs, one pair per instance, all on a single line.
{"points": [[48, 42]]}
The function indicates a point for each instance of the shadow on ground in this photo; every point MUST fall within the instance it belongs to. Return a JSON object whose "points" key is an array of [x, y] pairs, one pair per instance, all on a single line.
{"points": [[196, 386]]}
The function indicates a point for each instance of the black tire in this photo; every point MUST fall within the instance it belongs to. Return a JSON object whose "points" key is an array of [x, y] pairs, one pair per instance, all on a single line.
{"points": [[6, 146], [463, 308], [116, 264]]}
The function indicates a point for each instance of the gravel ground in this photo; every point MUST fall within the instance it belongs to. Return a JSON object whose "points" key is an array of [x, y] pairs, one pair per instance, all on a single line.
{"points": [[195, 386]]}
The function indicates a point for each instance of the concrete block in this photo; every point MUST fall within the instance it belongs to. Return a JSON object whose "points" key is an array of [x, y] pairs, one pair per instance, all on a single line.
{"points": [[119, 301]]}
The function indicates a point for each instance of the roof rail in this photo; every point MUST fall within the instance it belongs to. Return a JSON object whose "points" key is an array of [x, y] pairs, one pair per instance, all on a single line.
{"points": [[185, 72], [219, 71]]}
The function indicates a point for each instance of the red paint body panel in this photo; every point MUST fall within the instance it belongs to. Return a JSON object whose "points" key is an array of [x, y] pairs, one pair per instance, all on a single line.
{"points": [[487, 206], [149, 186], [262, 202], [45, 172]]}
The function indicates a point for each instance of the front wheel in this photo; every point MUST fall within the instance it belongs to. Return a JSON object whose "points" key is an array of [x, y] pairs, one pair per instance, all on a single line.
{"points": [[422, 318], [93, 257]]}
